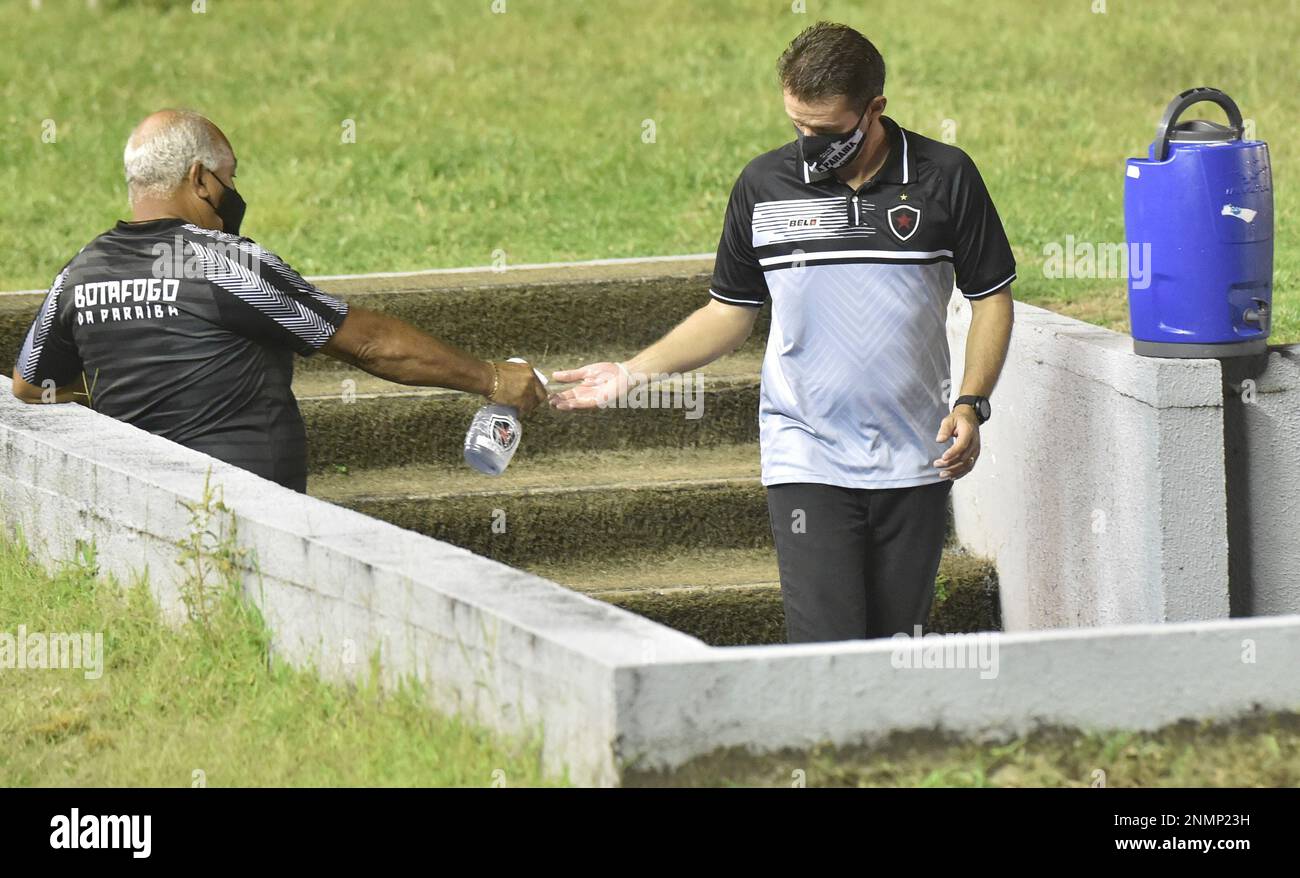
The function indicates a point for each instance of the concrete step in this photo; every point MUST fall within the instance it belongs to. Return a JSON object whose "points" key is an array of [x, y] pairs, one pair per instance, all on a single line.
{"points": [[725, 597], [501, 315], [376, 424], [645, 508], [17, 311], [730, 597], [571, 504], [497, 314], [339, 380]]}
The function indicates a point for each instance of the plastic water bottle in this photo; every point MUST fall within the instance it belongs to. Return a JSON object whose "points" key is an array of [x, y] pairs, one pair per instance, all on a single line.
{"points": [[494, 434]]}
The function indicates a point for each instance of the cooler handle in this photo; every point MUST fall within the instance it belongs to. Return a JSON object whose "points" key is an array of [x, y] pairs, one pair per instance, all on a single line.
{"points": [[1185, 100]]}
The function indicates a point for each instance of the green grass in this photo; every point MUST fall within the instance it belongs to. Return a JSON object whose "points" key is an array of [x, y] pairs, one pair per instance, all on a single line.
{"points": [[522, 132], [175, 701], [1259, 751]]}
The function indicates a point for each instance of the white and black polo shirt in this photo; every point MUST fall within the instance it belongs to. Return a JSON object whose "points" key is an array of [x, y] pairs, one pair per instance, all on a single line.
{"points": [[857, 365]]}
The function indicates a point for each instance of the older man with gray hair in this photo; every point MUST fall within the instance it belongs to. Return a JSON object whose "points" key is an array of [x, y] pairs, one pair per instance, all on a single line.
{"points": [[176, 323]]}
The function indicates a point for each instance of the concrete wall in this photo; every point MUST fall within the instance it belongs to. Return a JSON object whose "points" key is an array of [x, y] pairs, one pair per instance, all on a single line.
{"points": [[1100, 492], [768, 699], [1262, 411], [511, 650]]}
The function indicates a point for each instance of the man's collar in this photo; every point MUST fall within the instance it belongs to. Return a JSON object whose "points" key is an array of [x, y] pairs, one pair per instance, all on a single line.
{"points": [[899, 167], [147, 226]]}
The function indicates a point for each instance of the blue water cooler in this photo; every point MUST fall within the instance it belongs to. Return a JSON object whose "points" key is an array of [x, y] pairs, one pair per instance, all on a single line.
{"points": [[1198, 221]]}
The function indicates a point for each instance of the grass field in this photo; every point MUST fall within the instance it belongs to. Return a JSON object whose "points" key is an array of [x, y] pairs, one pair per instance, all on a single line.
{"points": [[173, 702], [1259, 751], [523, 132]]}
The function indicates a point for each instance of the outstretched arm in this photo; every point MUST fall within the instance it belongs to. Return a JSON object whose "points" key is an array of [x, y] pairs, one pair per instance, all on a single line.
{"points": [[396, 350], [710, 332]]}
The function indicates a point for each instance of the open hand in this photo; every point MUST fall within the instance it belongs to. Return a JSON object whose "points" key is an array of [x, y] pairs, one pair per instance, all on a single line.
{"points": [[599, 385]]}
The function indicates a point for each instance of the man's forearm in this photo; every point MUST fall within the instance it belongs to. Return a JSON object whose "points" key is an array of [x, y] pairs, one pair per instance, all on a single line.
{"points": [[35, 394], [986, 344], [710, 332], [416, 358], [395, 350]]}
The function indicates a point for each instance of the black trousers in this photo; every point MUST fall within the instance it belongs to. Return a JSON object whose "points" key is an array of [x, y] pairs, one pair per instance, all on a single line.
{"points": [[857, 562]]}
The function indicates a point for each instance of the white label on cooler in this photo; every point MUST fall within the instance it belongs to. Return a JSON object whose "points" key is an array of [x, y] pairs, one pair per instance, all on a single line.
{"points": [[1242, 213]]}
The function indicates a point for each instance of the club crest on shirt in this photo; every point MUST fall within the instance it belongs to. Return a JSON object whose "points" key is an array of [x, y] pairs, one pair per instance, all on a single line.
{"points": [[904, 221]]}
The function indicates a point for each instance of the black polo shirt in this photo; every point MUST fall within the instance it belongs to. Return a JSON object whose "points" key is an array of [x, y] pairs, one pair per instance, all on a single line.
{"points": [[856, 375], [188, 333]]}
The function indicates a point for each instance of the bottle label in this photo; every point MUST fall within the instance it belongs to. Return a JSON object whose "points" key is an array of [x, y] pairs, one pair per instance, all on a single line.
{"points": [[504, 433]]}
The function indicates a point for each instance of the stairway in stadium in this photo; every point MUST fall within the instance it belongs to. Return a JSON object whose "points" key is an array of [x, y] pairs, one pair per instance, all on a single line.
{"points": [[645, 508]]}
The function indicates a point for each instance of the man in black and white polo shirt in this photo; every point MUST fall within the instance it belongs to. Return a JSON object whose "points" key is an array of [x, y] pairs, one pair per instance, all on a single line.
{"points": [[856, 231], [178, 324]]}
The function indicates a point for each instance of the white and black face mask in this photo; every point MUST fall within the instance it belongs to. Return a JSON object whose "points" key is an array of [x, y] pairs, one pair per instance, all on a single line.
{"points": [[826, 152]]}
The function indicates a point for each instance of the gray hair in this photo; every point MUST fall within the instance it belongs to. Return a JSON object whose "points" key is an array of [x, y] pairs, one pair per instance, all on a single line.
{"points": [[158, 159]]}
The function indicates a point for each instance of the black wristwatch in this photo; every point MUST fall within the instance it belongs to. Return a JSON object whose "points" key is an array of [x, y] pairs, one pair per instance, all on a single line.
{"points": [[983, 411]]}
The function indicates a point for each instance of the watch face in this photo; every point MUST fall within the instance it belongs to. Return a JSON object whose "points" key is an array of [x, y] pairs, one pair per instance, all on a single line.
{"points": [[984, 409]]}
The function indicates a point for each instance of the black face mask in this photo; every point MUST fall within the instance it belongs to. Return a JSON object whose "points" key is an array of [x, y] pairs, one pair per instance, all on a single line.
{"points": [[826, 152], [231, 209]]}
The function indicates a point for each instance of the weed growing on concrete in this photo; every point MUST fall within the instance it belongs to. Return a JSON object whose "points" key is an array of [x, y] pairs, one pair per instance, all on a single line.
{"points": [[216, 565]]}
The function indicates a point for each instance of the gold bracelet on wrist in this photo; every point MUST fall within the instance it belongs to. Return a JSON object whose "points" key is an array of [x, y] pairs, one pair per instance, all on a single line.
{"points": [[496, 381]]}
